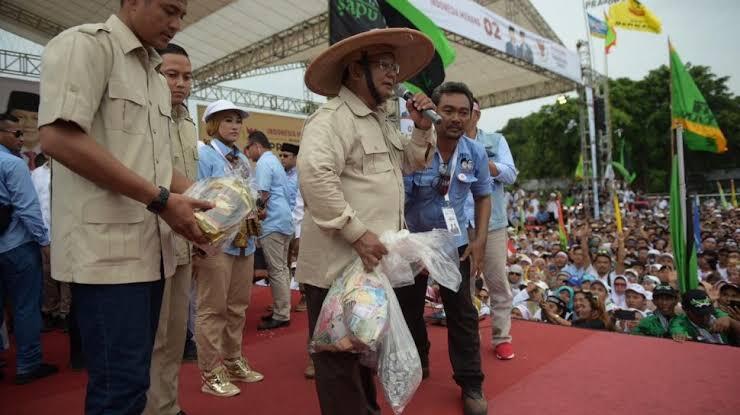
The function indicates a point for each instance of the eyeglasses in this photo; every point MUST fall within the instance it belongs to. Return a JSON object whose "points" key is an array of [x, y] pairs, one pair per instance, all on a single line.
{"points": [[16, 133], [388, 67]]}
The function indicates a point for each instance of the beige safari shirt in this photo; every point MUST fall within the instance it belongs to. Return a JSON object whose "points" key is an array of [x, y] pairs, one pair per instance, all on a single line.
{"points": [[100, 77], [350, 170], [184, 160]]}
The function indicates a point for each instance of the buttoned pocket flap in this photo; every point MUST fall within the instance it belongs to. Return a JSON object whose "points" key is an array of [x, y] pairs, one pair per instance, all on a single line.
{"points": [[376, 158], [103, 211], [119, 90]]}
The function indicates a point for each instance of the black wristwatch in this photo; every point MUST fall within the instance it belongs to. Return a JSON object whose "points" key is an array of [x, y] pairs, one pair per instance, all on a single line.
{"points": [[158, 204]]}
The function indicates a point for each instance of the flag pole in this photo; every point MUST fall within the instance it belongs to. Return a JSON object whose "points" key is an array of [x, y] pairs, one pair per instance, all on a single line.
{"points": [[682, 199]]}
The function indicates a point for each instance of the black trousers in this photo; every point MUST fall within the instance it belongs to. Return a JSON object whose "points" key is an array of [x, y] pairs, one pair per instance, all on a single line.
{"points": [[343, 385], [463, 340]]}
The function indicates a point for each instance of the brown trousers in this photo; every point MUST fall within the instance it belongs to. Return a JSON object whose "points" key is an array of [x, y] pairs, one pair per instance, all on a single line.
{"points": [[224, 288], [169, 344], [275, 248], [57, 296]]}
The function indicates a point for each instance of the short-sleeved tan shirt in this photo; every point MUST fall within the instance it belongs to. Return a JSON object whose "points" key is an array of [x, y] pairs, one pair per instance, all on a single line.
{"points": [[185, 161], [100, 77], [350, 170]]}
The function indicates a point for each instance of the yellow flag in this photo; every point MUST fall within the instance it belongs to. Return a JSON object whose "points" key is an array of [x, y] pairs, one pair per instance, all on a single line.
{"points": [[617, 213], [633, 15]]}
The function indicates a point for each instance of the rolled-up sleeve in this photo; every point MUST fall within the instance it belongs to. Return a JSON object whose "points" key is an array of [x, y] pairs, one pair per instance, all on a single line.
{"points": [[418, 151], [320, 163], [72, 88], [507, 172]]}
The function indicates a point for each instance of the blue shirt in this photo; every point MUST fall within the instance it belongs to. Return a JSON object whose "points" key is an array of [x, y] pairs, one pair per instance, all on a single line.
{"points": [[17, 191], [271, 178], [292, 175], [211, 163], [424, 200]]}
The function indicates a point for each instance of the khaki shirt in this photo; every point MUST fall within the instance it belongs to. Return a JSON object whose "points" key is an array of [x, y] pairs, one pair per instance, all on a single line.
{"points": [[185, 161], [100, 77], [350, 171]]}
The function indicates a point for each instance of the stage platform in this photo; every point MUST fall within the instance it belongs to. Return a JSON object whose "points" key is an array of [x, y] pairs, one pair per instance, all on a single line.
{"points": [[556, 371]]}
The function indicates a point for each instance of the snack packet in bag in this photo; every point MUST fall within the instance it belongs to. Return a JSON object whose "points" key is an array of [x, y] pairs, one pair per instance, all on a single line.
{"points": [[361, 314], [234, 199]]}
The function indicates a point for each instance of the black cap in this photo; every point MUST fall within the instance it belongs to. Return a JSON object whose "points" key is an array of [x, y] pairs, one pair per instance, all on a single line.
{"points": [[697, 302], [665, 289], [558, 301], [289, 148], [24, 101], [258, 137]]}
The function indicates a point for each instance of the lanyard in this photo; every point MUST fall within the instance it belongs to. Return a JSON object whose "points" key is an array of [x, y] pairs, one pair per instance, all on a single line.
{"points": [[218, 150], [451, 164]]}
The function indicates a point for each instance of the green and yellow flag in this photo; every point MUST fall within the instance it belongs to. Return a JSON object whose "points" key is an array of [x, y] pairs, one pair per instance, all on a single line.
{"points": [[689, 109], [633, 15], [579, 168], [610, 39], [681, 231]]}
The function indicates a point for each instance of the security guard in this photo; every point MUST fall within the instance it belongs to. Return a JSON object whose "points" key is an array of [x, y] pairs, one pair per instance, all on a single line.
{"points": [[105, 117]]}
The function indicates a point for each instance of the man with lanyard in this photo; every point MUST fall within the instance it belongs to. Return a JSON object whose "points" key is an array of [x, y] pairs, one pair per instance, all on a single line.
{"points": [[435, 199], [352, 161], [277, 226], [503, 172], [171, 331], [658, 323]]}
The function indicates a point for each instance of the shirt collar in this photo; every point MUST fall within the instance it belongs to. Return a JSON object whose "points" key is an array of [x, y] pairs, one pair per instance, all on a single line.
{"points": [[128, 40], [180, 112], [5, 149], [354, 102], [224, 148]]}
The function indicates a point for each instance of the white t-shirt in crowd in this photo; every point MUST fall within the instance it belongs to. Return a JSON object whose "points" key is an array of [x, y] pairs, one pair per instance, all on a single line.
{"points": [[41, 178]]}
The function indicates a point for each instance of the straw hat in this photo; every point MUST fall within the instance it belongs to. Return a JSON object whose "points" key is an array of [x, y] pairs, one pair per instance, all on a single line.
{"points": [[412, 49]]}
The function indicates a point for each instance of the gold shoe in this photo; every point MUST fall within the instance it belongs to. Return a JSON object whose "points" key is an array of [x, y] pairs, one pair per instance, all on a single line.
{"points": [[310, 371], [239, 371], [216, 382]]}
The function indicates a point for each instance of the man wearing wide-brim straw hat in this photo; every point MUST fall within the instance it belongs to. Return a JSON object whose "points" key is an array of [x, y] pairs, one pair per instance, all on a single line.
{"points": [[351, 169]]}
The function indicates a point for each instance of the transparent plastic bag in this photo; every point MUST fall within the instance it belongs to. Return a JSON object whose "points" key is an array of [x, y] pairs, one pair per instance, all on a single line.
{"points": [[361, 314], [234, 197], [409, 253]]}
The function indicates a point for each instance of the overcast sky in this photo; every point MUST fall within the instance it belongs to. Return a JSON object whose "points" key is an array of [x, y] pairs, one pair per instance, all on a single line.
{"points": [[703, 32]]}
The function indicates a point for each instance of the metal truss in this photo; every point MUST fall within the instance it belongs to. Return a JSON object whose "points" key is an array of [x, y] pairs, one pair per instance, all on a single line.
{"points": [[19, 63], [275, 69], [33, 21], [289, 42], [524, 93], [258, 100]]}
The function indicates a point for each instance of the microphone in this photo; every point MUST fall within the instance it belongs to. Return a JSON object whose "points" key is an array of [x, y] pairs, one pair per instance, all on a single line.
{"points": [[404, 93]]}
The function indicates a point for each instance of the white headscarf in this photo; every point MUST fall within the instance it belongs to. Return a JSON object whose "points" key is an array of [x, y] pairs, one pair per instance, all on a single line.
{"points": [[619, 300]]}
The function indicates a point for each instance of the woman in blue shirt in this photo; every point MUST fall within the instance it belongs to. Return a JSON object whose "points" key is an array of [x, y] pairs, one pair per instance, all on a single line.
{"points": [[223, 281]]}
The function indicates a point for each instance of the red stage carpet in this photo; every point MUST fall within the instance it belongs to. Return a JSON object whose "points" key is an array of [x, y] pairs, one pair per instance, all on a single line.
{"points": [[556, 371]]}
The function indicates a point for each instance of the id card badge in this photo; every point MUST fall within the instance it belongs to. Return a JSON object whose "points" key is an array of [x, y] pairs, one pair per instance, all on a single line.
{"points": [[451, 220]]}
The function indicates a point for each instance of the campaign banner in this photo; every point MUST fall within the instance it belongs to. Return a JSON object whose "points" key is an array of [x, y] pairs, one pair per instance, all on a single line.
{"points": [[279, 129], [475, 22]]}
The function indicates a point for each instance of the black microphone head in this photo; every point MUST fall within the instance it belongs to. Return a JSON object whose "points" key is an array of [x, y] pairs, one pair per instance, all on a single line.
{"points": [[400, 91]]}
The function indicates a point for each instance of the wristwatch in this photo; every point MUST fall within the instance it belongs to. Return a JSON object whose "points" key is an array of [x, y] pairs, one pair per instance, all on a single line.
{"points": [[158, 204]]}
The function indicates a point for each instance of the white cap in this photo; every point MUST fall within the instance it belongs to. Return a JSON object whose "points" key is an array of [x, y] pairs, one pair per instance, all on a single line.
{"points": [[542, 285], [653, 252], [222, 105], [526, 259], [638, 289], [516, 269], [655, 280]]}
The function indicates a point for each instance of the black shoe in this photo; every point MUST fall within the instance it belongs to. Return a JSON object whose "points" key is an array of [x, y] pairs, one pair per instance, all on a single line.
{"points": [[424, 372], [62, 323], [48, 323], [273, 324], [191, 352], [474, 403], [42, 371], [266, 317], [181, 413]]}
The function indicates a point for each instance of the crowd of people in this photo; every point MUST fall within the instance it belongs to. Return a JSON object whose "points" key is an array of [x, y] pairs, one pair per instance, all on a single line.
{"points": [[99, 240]]}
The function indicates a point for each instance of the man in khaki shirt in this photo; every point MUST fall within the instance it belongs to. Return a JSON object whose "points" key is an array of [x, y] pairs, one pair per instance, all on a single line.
{"points": [[173, 317], [351, 168], [105, 117]]}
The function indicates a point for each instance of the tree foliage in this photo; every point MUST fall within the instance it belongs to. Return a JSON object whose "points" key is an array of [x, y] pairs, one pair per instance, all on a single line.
{"points": [[544, 146]]}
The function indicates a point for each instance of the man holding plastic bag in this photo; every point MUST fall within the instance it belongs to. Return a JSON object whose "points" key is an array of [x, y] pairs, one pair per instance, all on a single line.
{"points": [[435, 199], [351, 167]]}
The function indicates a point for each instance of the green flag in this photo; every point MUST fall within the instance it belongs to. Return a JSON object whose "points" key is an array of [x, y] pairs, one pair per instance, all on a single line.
{"points": [[579, 168], [690, 110], [684, 249], [722, 198]]}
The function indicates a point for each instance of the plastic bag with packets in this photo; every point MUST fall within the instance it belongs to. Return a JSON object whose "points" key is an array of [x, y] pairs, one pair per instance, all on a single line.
{"points": [[233, 219], [361, 314]]}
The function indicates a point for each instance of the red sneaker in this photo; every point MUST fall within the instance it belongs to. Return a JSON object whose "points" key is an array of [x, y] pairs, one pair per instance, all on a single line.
{"points": [[504, 351]]}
